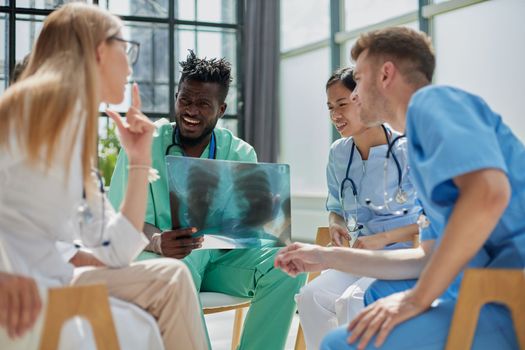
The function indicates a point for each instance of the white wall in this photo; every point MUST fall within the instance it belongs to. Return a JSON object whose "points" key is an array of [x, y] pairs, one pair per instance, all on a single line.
{"points": [[306, 137], [481, 48]]}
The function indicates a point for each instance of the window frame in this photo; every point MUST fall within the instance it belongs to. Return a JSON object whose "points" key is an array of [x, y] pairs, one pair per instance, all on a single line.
{"points": [[11, 11]]}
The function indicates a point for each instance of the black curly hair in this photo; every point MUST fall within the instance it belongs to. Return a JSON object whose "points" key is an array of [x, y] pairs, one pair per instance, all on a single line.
{"points": [[344, 75], [207, 70]]}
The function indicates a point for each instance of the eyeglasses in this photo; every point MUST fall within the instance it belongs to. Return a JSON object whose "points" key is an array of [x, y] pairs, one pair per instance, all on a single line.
{"points": [[132, 48]]}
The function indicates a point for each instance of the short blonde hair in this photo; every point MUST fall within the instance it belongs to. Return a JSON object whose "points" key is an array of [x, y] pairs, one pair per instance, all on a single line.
{"points": [[408, 49]]}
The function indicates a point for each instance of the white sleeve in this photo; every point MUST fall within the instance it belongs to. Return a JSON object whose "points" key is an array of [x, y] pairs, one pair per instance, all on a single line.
{"points": [[110, 236], [66, 249]]}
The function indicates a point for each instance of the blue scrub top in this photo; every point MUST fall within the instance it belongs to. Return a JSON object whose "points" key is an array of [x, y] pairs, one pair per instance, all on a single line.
{"points": [[368, 177], [452, 132]]}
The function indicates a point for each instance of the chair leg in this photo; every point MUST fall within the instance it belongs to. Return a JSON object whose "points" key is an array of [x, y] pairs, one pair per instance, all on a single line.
{"points": [[237, 326], [299, 340], [464, 323], [89, 302], [518, 317]]}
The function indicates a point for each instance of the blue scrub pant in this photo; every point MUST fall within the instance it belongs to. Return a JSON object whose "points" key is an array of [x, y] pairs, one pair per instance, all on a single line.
{"points": [[429, 330]]}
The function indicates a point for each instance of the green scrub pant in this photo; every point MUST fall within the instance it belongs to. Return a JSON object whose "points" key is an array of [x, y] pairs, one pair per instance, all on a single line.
{"points": [[250, 273]]}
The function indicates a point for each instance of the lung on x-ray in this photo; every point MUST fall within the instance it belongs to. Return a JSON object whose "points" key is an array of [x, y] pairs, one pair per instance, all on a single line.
{"points": [[232, 204]]}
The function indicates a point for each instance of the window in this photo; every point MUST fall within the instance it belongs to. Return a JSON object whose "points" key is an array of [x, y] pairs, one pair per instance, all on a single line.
{"points": [[4, 53], [209, 27], [360, 13], [304, 22], [485, 59]]}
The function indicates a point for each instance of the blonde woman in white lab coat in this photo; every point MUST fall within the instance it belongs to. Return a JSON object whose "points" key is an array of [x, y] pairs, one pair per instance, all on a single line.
{"points": [[48, 133]]}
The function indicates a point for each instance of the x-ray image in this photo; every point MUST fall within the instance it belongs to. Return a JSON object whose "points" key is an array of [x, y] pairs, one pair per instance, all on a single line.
{"points": [[233, 204]]}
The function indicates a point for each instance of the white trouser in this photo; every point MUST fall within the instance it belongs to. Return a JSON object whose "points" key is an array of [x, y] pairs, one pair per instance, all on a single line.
{"points": [[331, 300]]}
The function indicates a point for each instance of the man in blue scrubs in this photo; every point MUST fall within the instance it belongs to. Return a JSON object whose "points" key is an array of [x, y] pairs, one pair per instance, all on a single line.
{"points": [[468, 169]]}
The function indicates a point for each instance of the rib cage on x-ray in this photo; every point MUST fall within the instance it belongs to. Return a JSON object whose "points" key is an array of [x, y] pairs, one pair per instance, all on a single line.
{"points": [[245, 202]]}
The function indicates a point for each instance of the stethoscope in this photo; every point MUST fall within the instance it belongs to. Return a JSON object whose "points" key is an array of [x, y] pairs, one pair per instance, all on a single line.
{"points": [[401, 195], [86, 216], [212, 154]]}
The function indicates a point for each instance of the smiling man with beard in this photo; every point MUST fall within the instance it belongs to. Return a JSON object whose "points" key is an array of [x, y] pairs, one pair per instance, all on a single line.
{"points": [[202, 91]]}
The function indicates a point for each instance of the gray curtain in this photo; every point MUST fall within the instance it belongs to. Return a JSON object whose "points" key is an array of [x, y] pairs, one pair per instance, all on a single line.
{"points": [[261, 77]]}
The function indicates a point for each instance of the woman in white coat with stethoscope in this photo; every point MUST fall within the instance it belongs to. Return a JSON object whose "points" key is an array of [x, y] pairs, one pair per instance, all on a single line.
{"points": [[48, 192], [371, 205]]}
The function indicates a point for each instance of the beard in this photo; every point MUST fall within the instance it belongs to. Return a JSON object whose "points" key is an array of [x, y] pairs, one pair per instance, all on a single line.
{"points": [[193, 141], [375, 109]]}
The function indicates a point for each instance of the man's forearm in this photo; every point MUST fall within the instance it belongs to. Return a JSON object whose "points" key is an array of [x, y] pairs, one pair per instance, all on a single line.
{"points": [[389, 264], [477, 211]]}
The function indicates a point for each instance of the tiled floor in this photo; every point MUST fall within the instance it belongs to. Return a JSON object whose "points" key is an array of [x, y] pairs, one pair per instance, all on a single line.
{"points": [[220, 327]]}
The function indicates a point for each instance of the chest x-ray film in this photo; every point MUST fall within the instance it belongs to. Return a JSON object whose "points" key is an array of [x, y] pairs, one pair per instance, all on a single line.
{"points": [[232, 204]]}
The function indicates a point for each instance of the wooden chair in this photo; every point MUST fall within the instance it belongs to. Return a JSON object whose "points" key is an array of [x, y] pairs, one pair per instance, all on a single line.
{"points": [[90, 302], [482, 286], [218, 302]]}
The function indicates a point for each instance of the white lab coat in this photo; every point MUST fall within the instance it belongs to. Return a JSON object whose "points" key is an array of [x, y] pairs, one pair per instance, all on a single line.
{"points": [[39, 207]]}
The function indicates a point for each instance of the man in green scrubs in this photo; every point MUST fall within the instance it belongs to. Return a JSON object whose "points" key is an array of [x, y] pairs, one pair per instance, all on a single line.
{"points": [[203, 87]]}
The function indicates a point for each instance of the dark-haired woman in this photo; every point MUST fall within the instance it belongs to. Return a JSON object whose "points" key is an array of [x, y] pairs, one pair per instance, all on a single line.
{"points": [[359, 211]]}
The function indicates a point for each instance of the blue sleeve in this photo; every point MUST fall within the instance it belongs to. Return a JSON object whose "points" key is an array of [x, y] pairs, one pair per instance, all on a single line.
{"points": [[332, 201], [451, 133]]}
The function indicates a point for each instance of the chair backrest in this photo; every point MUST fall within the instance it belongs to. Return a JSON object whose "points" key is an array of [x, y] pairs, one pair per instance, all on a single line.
{"points": [[482, 286], [90, 302]]}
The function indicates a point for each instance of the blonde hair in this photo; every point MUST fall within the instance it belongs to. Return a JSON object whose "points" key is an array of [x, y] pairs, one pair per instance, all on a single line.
{"points": [[409, 49], [59, 83]]}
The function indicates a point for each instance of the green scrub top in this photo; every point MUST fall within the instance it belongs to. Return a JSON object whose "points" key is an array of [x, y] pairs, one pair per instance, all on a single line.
{"points": [[228, 147]]}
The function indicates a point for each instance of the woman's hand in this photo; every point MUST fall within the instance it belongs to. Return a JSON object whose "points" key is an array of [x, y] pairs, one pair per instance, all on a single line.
{"points": [[382, 316], [299, 257], [339, 233], [20, 304], [82, 258], [136, 132], [375, 241]]}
